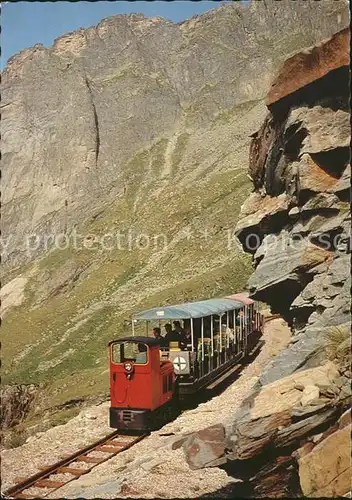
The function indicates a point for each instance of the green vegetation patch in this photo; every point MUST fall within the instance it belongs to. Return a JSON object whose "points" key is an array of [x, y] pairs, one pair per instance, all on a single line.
{"points": [[238, 110], [157, 153], [179, 150], [75, 327]]}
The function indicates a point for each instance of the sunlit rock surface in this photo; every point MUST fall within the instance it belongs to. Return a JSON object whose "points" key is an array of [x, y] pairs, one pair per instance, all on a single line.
{"points": [[298, 215]]}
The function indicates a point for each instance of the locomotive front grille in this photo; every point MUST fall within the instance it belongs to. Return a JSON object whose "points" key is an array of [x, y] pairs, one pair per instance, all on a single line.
{"points": [[121, 418], [127, 416]]}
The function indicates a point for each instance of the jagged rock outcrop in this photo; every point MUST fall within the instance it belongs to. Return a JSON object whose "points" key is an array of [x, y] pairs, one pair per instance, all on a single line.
{"points": [[74, 116], [266, 443], [16, 401], [297, 222], [325, 467]]}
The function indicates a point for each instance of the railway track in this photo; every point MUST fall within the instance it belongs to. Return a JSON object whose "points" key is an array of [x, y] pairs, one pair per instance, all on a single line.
{"points": [[72, 466], [55, 476]]}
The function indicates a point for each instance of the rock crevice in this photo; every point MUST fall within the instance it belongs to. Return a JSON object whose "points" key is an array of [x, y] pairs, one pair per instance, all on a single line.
{"points": [[96, 123]]}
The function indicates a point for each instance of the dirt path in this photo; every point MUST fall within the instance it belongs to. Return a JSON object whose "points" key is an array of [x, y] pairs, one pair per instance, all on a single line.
{"points": [[151, 468]]}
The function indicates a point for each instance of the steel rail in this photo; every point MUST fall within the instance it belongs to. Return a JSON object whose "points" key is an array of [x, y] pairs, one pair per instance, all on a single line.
{"points": [[42, 478]]}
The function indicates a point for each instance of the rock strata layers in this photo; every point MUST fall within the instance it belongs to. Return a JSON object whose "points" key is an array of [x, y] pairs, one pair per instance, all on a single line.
{"points": [[325, 471], [297, 223], [278, 442]]}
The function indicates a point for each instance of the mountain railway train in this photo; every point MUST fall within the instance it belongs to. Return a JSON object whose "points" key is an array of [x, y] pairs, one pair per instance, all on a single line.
{"points": [[148, 373]]}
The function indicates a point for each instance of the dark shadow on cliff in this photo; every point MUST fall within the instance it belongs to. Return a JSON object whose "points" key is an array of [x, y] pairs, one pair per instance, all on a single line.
{"points": [[273, 473]]}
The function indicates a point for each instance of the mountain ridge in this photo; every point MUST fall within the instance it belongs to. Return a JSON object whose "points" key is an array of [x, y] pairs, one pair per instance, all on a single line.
{"points": [[157, 141], [175, 93]]}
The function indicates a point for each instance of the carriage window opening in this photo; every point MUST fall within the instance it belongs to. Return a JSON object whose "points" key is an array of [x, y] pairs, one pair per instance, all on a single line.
{"points": [[129, 351], [216, 324], [207, 327], [231, 325], [116, 353], [142, 354]]}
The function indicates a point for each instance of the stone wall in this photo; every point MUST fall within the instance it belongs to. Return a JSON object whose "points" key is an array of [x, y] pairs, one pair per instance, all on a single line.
{"points": [[296, 223]]}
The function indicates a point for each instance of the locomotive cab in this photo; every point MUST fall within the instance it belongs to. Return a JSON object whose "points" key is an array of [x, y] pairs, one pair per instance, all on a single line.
{"points": [[140, 382]]}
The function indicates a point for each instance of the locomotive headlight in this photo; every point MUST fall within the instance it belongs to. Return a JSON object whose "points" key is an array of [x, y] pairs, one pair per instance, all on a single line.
{"points": [[128, 367]]}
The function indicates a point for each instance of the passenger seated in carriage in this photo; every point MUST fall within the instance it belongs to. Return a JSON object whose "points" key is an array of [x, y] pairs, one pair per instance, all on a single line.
{"points": [[181, 334], [241, 318], [178, 328], [188, 336], [170, 334], [157, 335], [176, 335]]}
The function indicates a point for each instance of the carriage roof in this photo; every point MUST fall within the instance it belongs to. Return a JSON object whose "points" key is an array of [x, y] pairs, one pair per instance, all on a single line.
{"points": [[141, 339], [191, 309], [242, 297]]}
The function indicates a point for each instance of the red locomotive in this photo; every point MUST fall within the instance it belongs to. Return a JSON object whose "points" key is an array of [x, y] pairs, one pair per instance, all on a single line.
{"points": [[140, 383], [146, 373]]}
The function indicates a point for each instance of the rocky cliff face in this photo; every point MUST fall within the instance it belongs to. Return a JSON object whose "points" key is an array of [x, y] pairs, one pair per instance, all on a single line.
{"points": [[289, 437], [15, 404], [286, 439], [135, 127], [297, 222], [106, 108]]}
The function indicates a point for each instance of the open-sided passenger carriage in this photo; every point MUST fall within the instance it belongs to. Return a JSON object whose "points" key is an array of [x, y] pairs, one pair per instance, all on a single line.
{"points": [[144, 376]]}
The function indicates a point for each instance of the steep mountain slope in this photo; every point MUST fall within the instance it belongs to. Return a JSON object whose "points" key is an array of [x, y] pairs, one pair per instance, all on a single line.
{"points": [[120, 133]]}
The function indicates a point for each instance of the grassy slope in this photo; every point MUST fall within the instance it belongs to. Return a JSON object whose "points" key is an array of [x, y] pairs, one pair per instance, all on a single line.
{"points": [[62, 342]]}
